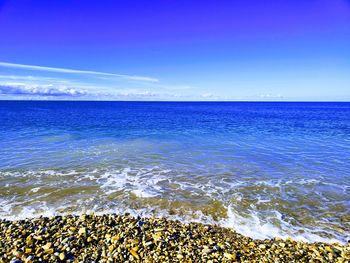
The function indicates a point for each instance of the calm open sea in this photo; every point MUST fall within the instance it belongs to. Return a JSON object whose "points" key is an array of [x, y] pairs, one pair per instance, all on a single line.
{"points": [[264, 169]]}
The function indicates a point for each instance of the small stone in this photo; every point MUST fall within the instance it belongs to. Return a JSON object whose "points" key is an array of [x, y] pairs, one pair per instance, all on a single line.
{"points": [[82, 231], [328, 248], [134, 253], [251, 244], [111, 248], [29, 259], [146, 244], [49, 251], [157, 236], [62, 256], [230, 256], [206, 250], [114, 239], [47, 246], [17, 254]]}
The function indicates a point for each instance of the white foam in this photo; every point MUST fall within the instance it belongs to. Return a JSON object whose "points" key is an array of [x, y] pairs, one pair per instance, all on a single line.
{"points": [[157, 182], [12, 210], [142, 182], [35, 189], [253, 226], [250, 225]]}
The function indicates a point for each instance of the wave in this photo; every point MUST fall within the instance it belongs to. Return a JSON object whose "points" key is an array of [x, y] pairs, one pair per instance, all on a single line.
{"points": [[247, 205]]}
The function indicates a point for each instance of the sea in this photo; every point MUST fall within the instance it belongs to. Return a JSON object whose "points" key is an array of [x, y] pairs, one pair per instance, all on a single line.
{"points": [[264, 169]]}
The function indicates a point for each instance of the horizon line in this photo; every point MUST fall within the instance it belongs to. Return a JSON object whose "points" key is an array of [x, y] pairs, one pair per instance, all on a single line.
{"points": [[185, 101]]}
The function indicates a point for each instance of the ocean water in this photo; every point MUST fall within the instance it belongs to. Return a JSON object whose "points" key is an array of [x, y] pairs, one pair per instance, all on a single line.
{"points": [[264, 169]]}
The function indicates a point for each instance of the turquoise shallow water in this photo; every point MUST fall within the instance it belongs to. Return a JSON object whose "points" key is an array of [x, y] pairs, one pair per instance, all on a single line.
{"points": [[265, 169]]}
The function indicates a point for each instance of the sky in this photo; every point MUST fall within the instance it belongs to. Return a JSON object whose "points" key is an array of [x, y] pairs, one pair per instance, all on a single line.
{"points": [[244, 50]]}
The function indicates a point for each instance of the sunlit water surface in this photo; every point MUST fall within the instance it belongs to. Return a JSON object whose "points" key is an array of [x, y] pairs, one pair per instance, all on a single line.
{"points": [[264, 169]]}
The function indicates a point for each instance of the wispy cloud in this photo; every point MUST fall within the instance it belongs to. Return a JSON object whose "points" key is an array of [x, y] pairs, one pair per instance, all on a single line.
{"points": [[76, 71], [207, 95], [137, 94], [33, 79], [40, 90], [270, 96]]}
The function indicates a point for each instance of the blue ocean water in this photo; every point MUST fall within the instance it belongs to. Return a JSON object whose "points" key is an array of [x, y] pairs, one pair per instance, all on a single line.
{"points": [[265, 169]]}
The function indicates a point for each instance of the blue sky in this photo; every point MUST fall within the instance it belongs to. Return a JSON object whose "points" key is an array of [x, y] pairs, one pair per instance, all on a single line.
{"points": [[175, 50]]}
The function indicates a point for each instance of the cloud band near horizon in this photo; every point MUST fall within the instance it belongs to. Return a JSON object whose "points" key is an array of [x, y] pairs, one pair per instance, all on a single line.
{"points": [[40, 90]]}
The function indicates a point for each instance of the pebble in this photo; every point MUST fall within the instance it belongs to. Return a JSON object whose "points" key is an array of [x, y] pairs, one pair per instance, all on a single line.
{"points": [[116, 238]]}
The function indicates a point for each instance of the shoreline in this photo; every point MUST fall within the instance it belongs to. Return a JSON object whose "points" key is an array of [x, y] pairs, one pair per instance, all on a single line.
{"points": [[123, 238]]}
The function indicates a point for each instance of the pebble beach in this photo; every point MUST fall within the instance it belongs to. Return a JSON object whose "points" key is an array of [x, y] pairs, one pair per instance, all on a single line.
{"points": [[123, 238]]}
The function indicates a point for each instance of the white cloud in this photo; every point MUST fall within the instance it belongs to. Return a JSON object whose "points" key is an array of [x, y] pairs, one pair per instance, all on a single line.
{"points": [[270, 96], [40, 90], [25, 90], [137, 94], [207, 95], [45, 91], [76, 71]]}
